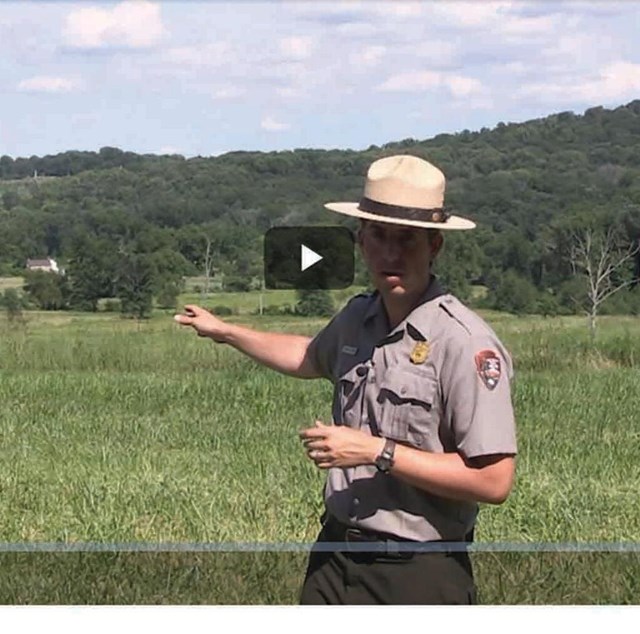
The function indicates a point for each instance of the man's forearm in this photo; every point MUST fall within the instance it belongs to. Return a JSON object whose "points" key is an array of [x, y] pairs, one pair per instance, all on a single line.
{"points": [[483, 479], [285, 353], [449, 475]]}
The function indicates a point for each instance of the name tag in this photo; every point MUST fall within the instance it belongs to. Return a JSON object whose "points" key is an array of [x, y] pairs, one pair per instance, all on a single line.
{"points": [[349, 350]]}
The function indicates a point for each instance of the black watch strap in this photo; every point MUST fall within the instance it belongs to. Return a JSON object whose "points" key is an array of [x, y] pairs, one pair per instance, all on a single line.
{"points": [[385, 461]]}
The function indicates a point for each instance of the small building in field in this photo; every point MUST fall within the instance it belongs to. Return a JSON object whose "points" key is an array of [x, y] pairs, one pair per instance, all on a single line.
{"points": [[44, 264]]}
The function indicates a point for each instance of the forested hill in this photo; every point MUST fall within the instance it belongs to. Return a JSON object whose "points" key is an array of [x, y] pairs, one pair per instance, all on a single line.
{"points": [[520, 182]]}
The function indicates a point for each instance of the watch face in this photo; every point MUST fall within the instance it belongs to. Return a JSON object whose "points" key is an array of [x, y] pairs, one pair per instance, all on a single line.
{"points": [[383, 463]]}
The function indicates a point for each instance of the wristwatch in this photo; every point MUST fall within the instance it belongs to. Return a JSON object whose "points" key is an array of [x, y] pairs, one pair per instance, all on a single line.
{"points": [[384, 461]]}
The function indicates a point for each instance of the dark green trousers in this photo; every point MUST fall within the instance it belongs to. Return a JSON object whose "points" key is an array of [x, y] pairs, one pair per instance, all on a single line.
{"points": [[366, 578]]}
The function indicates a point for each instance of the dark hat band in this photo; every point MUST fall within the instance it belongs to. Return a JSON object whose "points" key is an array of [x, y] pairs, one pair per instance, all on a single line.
{"points": [[439, 214]]}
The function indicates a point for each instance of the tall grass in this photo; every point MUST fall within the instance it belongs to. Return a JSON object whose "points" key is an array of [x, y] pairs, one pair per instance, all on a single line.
{"points": [[113, 431]]}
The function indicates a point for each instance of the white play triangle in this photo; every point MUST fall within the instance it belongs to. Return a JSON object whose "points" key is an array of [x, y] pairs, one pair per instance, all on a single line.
{"points": [[308, 257]]}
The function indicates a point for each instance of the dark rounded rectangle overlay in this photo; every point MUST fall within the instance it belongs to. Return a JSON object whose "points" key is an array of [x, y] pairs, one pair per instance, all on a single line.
{"points": [[283, 259]]}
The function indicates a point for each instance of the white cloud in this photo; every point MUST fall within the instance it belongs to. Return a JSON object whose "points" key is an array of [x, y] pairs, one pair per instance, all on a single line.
{"points": [[356, 30], [476, 102], [290, 92], [297, 47], [619, 80], [580, 7], [582, 47], [472, 13], [368, 56], [500, 16], [228, 92], [514, 68], [270, 124], [323, 11], [615, 82], [209, 55], [346, 11], [396, 9], [130, 24], [461, 86], [436, 52], [169, 149], [411, 82], [44, 83], [533, 25], [420, 81], [286, 76]]}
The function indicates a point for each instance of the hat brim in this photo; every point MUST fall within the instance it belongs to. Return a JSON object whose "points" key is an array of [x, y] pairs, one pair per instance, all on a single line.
{"points": [[352, 209]]}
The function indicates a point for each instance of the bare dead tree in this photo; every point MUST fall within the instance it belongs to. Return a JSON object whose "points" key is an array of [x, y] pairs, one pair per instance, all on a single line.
{"points": [[208, 266], [600, 256]]}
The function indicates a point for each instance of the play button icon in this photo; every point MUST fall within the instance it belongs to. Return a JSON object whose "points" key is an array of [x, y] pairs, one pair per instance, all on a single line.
{"points": [[308, 258]]}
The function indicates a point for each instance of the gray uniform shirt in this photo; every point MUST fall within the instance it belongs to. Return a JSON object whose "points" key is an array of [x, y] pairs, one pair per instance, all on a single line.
{"points": [[438, 382]]}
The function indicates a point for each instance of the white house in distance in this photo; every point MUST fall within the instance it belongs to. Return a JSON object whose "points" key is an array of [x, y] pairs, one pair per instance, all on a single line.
{"points": [[45, 264]]}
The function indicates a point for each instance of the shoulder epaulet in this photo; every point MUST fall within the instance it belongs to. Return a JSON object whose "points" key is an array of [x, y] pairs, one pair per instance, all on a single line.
{"points": [[463, 315], [360, 297], [360, 301]]}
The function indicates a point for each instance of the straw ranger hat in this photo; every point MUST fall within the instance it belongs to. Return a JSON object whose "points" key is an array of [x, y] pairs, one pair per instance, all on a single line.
{"points": [[404, 190]]}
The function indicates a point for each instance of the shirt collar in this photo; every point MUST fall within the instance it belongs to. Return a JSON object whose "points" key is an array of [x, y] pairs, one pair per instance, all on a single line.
{"points": [[433, 291]]}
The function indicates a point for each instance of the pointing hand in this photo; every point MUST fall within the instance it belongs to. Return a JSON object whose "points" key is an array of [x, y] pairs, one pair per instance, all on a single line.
{"points": [[204, 323]]}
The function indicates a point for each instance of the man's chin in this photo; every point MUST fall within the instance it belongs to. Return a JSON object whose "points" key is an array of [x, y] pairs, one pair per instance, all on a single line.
{"points": [[392, 286]]}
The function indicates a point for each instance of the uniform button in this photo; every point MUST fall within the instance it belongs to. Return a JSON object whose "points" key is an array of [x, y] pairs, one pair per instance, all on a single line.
{"points": [[356, 501], [403, 390]]}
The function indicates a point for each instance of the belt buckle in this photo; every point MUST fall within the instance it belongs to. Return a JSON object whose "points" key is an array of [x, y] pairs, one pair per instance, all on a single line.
{"points": [[356, 541], [351, 536], [354, 535]]}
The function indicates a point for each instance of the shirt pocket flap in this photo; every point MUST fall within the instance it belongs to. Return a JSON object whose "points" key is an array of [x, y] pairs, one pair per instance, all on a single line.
{"points": [[347, 392], [349, 378], [407, 407]]}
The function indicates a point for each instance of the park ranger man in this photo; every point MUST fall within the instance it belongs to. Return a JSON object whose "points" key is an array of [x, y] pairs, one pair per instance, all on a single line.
{"points": [[423, 427]]}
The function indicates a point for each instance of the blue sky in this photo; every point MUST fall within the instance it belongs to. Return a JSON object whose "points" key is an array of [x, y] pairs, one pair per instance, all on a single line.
{"points": [[204, 78]]}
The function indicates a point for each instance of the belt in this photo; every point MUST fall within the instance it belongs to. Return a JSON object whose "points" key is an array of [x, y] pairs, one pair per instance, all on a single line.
{"points": [[366, 540]]}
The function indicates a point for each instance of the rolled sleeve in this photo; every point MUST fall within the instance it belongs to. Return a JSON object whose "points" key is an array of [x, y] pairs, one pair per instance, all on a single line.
{"points": [[323, 348], [477, 396]]}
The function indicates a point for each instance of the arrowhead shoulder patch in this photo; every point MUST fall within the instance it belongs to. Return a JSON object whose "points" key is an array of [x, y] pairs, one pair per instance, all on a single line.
{"points": [[489, 367]]}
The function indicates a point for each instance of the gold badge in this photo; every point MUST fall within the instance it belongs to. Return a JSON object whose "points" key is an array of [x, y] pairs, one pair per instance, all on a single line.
{"points": [[420, 352]]}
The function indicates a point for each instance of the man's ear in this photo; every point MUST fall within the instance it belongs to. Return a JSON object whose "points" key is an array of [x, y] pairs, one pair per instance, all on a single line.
{"points": [[437, 241]]}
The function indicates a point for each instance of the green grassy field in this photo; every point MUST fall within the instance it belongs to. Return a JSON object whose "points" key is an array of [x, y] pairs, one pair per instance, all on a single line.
{"points": [[11, 282], [249, 303], [115, 431], [238, 303]]}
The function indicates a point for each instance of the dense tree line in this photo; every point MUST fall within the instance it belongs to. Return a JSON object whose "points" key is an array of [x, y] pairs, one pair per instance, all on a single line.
{"points": [[117, 220]]}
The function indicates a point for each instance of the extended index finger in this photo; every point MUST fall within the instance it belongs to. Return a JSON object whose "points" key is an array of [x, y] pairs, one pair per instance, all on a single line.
{"points": [[313, 432], [190, 312]]}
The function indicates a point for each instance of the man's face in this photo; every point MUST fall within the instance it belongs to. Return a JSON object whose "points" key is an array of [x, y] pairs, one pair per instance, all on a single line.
{"points": [[398, 258]]}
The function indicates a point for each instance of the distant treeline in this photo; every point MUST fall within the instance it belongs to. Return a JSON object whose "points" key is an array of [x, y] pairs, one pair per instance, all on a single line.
{"points": [[529, 186]]}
